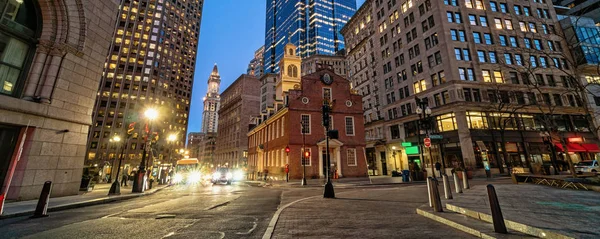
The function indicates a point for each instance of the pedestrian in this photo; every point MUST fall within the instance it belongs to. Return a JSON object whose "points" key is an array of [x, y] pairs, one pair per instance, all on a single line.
{"points": [[438, 167], [266, 173], [124, 178]]}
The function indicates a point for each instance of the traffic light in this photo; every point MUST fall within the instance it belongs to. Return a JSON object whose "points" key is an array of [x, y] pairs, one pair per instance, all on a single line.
{"points": [[326, 115], [333, 134]]}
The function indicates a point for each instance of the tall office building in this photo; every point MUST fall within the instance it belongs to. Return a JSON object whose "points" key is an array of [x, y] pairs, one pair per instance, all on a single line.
{"points": [[150, 64], [496, 76], [312, 25], [212, 103], [256, 65]]}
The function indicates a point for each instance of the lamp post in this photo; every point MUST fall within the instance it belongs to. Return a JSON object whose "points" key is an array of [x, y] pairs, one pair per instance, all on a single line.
{"points": [[115, 188], [304, 154], [329, 192], [424, 117], [139, 180], [112, 162]]}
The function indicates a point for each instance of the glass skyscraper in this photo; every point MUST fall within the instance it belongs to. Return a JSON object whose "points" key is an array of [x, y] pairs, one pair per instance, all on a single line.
{"points": [[312, 25]]}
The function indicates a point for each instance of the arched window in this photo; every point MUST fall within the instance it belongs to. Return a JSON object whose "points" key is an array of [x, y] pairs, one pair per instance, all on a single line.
{"points": [[291, 52], [295, 71], [290, 70], [17, 43]]}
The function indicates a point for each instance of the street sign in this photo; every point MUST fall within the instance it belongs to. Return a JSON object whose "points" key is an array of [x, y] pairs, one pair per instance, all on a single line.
{"points": [[427, 142], [406, 144], [436, 136]]}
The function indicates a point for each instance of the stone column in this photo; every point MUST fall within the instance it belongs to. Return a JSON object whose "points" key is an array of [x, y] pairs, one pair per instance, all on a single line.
{"points": [[55, 61], [37, 70], [464, 137], [339, 161]]}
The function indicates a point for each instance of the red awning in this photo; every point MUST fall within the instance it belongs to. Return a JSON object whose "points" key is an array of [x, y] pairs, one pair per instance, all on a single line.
{"points": [[591, 148], [573, 148]]}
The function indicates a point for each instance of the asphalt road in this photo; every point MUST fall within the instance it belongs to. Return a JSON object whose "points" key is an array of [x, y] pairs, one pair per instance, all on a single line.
{"points": [[219, 211]]}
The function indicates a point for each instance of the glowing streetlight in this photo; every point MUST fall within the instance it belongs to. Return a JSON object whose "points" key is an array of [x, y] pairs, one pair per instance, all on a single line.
{"points": [[172, 137]]}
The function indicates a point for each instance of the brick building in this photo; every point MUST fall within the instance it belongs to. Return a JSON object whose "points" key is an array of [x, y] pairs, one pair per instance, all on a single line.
{"points": [[298, 101], [473, 63], [336, 63], [239, 102], [49, 74]]}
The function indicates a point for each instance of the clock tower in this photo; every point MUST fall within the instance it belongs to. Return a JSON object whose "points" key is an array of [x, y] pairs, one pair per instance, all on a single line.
{"points": [[289, 71]]}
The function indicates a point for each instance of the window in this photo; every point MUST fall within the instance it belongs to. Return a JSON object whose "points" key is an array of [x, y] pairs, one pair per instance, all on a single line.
{"points": [[503, 8], [508, 58], [513, 42], [481, 56], [502, 40], [473, 20], [518, 59], [514, 77], [305, 120], [486, 76], [508, 24], [462, 54], [517, 9], [477, 37], [488, 38], [494, 6], [351, 157], [483, 21], [533, 61], [498, 77], [16, 43], [446, 122], [532, 27], [527, 42], [498, 23], [476, 120], [349, 126], [306, 160]]}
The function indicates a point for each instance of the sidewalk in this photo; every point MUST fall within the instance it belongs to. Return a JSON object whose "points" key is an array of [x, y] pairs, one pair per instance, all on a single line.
{"points": [[342, 182], [542, 209], [97, 196]]}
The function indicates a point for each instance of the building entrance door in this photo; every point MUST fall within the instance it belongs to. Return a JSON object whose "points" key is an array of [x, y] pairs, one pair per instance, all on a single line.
{"points": [[383, 164], [8, 136]]}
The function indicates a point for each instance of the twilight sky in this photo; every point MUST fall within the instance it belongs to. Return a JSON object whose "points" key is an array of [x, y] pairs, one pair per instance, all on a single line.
{"points": [[230, 32]]}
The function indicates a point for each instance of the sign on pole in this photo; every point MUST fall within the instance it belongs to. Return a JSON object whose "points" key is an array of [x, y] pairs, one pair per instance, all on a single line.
{"points": [[427, 142], [436, 136]]}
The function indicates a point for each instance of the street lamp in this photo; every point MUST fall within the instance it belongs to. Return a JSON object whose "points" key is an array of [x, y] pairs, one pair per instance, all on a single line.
{"points": [[329, 192], [139, 180], [115, 188], [425, 119]]}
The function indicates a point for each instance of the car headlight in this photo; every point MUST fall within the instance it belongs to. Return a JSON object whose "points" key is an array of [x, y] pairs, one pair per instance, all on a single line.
{"points": [[194, 177], [177, 178], [238, 175], [229, 175]]}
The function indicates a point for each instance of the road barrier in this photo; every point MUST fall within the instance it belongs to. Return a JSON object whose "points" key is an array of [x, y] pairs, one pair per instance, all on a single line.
{"points": [[497, 217], [41, 210], [457, 186]]}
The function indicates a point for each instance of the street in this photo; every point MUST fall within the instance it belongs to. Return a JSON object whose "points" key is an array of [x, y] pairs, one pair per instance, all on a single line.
{"points": [[239, 211]]}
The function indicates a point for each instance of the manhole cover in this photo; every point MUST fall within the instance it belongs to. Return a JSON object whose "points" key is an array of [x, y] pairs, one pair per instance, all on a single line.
{"points": [[163, 216]]}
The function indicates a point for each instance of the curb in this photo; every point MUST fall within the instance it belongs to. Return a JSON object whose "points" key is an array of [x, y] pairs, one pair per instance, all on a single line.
{"points": [[515, 226], [453, 224], [91, 202], [271, 228]]}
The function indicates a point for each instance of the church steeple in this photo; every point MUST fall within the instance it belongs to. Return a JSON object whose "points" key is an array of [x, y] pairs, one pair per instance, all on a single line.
{"points": [[289, 71]]}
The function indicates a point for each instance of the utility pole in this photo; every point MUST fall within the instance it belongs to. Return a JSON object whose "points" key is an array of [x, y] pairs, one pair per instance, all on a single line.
{"points": [[329, 192]]}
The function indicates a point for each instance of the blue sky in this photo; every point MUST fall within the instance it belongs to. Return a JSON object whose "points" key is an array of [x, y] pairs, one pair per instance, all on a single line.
{"points": [[230, 32]]}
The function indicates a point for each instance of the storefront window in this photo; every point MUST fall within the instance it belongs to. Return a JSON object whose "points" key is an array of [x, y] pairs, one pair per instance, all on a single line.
{"points": [[446, 122], [18, 28], [476, 120], [504, 121]]}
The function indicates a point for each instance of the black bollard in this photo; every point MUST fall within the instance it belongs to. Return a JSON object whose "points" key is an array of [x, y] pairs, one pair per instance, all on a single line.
{"points": [[435, 194], [497, 217], [41, 210]]}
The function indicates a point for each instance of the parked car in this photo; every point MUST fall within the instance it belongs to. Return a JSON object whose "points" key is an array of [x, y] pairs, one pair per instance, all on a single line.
{"points": [[587, 166]]}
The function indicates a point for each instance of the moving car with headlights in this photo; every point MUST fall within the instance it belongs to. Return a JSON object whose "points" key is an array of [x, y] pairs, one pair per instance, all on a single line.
{"points": [[222, 175], [187, 171], [587, 166]]}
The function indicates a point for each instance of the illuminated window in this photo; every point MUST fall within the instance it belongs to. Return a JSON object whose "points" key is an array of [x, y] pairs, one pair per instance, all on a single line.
{"points": [[476, 120], [498, 77], [498, 23], [446, 122], [486, 76], [112, 66]]}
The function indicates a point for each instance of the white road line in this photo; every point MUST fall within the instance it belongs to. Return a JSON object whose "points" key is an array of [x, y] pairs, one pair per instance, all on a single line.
{"points": [[255, 222]]}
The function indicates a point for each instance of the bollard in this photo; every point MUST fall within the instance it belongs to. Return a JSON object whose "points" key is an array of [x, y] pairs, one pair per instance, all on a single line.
{"points": [[457, 183], [465, 180], [41, 210], [435, 194], [447, 189], [497, 217], [429, 191]]}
